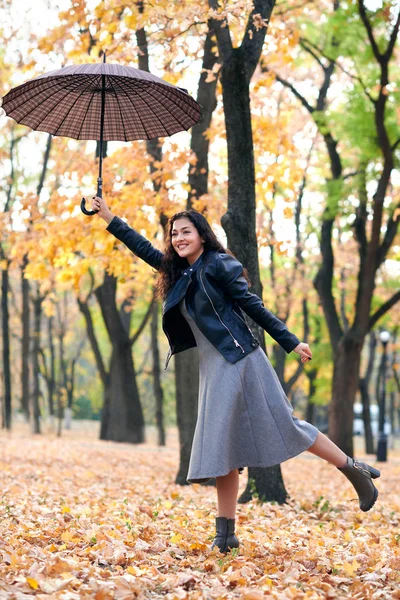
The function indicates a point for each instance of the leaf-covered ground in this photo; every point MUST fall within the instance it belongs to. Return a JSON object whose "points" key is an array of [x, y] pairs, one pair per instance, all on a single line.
{"points": [[80, 518]]}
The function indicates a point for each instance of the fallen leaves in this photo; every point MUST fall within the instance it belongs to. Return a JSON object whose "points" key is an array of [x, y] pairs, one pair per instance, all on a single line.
{"points": [[82, 519]]}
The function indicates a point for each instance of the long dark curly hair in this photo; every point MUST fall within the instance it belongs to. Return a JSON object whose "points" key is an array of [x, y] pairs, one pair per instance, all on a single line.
{"points": [[172, 264]]}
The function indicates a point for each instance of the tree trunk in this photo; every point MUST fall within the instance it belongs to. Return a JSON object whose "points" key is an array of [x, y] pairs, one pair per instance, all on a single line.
{"points": [[392, 411], [365, 398], [104, 375], [52, 371], [199, 144], [122, 418], [239, 221], [158, 391], [25, 346], [71, 387], [5, 284], [280, 355], [310, 412], [61, 372], [37, 314], [187, 374], [373, 250], [123, 421], [62, 363], [60, 412], [366, 414], [344, 387], [266, 485]]}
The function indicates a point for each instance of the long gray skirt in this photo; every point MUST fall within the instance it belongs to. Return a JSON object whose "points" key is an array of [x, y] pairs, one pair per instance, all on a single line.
{"points": [[244, 417]]}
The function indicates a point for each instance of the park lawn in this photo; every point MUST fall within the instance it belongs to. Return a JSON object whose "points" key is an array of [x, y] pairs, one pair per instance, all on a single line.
{"points": [[80, 518]]}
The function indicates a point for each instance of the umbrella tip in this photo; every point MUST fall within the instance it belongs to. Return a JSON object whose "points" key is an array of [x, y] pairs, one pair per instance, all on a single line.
{"points": [[104, 56]]}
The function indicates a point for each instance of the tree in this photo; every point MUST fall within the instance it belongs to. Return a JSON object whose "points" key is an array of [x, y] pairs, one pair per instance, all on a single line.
{"points": [[237, 67], [5, 285], [122, 418], [374, 234]]}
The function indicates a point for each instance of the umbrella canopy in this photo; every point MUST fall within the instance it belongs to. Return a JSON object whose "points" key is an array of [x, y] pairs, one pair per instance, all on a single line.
{"points": [[102, 102], [68, 102]]}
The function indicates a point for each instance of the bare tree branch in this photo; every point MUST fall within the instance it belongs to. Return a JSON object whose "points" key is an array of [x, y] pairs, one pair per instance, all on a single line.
{"points": [[359, 225], [390, 234], [308, 47], [397, 142], [383, 310], [85, 310], [291, 87], [352, 174], [284, 10], [393, 38], [45, 165], [321, 101], [370, 33], [317, 51], [143, 324], [300, 367], [396, 377]]}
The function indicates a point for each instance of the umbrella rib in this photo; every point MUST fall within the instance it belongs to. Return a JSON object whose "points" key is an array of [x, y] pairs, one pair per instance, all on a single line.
{"points": [[136, 110], [39, 101], [119, 106], [157, 100], [73, 105], [171, 98], [83, 120], [144, 87]]}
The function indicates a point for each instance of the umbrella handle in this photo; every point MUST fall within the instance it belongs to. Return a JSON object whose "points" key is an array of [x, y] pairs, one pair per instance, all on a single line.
{"points": [[89, 213]]}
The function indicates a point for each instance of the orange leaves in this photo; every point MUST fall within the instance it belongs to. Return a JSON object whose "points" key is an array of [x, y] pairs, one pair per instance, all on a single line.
{"points": [[125, 530]]}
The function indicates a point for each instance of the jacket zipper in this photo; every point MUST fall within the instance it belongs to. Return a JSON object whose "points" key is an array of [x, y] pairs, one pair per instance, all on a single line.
{"points": [[240, 317], [212, 304], [167, 359]]}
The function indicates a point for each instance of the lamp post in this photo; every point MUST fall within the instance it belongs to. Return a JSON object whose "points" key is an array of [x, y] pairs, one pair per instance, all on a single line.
{"points": [[381, 454]]}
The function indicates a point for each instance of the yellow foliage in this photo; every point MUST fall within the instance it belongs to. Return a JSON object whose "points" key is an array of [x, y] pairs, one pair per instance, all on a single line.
{"points": [[34, 584], [131, 540], [351, 568]]}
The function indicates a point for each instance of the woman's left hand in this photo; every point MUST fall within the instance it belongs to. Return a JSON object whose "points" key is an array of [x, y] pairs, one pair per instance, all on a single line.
{"points": [[304, 350]]}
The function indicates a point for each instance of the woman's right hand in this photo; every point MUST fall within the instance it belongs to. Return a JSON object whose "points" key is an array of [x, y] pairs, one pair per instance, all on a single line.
{"points": [[102, 209]]}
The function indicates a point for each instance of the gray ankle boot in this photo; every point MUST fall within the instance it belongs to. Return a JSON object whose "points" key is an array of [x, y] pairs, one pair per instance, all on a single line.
{"points": [[225, 538], [360, 475]]}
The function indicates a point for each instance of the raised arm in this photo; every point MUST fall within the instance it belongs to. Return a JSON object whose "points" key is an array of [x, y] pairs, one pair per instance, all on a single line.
{"points": [[138, 244]]}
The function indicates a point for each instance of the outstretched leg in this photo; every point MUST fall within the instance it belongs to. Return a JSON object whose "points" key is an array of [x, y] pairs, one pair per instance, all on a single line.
{"points": [[326, 449], [227, 491], [358, 473]]}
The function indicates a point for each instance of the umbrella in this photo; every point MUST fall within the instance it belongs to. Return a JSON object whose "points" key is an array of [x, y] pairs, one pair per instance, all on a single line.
{"points": [[103, 102]]}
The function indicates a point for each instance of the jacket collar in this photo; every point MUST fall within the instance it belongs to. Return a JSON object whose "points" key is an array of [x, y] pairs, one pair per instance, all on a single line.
{"points": [[196, 263]]}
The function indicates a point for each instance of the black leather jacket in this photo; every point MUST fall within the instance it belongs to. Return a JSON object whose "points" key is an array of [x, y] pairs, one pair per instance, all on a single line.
{"points": [[216, 293]]}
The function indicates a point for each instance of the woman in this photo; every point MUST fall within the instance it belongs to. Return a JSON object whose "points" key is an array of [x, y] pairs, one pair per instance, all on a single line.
{"points": [[244, 418]]}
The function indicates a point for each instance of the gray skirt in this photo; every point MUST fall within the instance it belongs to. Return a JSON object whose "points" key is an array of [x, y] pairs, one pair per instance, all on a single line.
{"points": [[244, 417]]}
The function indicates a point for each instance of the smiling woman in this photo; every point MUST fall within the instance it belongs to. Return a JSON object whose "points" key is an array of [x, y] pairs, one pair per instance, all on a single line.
{"points": [[244, 417], [186, 240]]}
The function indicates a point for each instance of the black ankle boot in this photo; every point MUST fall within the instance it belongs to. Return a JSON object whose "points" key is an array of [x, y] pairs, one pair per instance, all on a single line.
{"points": [[360, 475], [225, 538]]}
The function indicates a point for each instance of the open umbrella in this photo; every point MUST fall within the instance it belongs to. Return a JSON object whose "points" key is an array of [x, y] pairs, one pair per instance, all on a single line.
{"points": [[102, 102]]}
